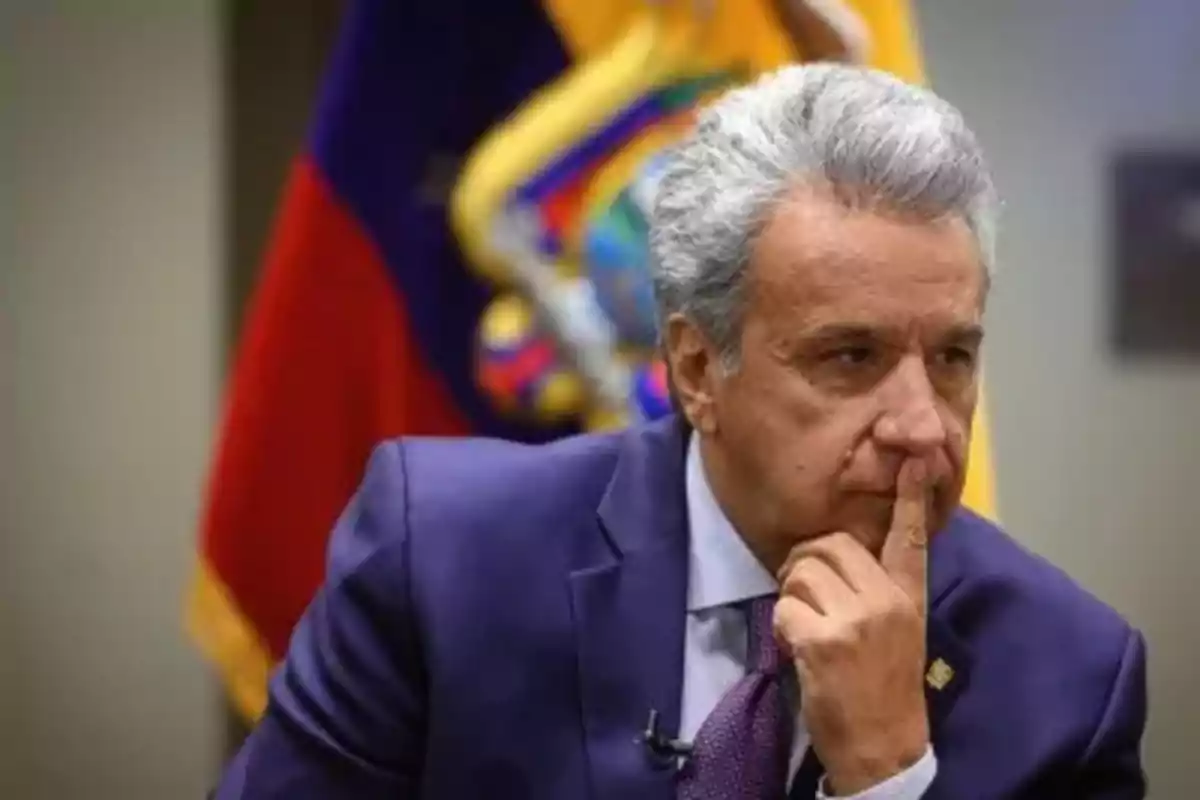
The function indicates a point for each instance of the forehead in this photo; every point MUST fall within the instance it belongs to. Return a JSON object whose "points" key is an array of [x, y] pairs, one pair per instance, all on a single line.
{"points": [[817, 262]]}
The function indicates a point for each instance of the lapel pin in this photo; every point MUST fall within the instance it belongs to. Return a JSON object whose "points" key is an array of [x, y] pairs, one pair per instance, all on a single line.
{"points": [[939, 675]]}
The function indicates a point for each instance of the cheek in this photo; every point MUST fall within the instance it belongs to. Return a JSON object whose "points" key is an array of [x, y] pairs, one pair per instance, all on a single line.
{"points": [[826, 460], [957, 424], [952, 470], [748, 420], [844, 438], [797, 443], [768, 396]]}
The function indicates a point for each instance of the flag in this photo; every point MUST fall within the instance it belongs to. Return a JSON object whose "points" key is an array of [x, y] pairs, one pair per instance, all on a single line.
{"points": [[362, 325]]}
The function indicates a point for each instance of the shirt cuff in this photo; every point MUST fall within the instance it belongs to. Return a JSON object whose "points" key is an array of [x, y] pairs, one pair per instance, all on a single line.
{"points": [[908, 785]]}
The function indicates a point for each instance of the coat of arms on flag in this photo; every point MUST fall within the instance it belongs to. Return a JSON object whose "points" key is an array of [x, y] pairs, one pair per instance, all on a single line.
{"points": [[522, 310]]}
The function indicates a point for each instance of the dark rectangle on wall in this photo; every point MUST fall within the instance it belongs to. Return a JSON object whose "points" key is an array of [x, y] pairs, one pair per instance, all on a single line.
{"points": [[1155, 254]]}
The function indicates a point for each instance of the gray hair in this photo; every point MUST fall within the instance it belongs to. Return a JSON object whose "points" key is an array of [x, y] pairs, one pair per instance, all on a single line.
{"points": [[870, 137]]}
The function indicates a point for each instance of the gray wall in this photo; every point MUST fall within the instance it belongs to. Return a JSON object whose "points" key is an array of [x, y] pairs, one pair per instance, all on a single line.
{"points": [[1097, 461], [110, 279], [9, 741]]}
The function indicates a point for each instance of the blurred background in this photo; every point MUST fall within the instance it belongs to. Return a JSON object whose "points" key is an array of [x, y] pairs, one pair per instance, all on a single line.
{"points": [[143, 152]]}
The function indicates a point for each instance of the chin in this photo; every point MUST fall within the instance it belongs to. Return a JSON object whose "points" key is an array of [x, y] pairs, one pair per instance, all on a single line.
{"points": [[869, 522]]}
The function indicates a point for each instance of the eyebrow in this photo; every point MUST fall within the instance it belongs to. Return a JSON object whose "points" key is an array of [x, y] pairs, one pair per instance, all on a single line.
{"points": [[971, 333], [841, 331], [966, 334]]}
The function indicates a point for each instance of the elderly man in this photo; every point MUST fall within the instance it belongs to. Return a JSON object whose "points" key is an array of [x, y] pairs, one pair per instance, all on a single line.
{"points": [[774, 594]]}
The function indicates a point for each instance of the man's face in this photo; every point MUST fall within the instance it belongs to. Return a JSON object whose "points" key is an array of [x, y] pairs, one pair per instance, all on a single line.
{"points": [[859, 349]]}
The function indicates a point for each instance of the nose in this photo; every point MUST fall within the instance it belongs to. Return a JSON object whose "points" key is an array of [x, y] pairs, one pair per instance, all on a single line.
{"points": [[910, 421]]}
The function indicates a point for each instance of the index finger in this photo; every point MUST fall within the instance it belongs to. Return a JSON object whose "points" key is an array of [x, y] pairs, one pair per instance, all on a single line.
{"points": [[906, 548]]}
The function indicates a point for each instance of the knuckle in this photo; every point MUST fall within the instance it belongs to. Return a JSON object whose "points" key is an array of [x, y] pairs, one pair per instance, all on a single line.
{"points": [[789, 563], [801, 576], [916, 537], [887, 610], [782, 617], [902, 617], [841, 540], [789, 621], [825, 546], [801, 556], [840, 638], [840, 647], [897, 607]]}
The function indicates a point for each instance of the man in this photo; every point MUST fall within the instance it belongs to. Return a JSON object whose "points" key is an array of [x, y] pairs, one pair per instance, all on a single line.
{"points": [[774, 595]]}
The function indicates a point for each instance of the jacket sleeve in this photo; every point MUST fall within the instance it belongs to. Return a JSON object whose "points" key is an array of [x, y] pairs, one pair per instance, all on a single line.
{"points": [[347, 705], [1112, 767]]}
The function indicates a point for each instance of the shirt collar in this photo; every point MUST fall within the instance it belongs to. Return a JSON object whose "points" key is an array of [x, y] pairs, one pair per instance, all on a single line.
{"points": [[721, 569]]}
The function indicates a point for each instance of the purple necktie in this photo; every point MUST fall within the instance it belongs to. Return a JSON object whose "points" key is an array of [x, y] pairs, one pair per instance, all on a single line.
{"points": [[741, 750]]}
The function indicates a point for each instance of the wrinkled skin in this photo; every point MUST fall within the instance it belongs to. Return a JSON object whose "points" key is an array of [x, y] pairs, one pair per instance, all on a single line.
{"points": [[839, 445]]}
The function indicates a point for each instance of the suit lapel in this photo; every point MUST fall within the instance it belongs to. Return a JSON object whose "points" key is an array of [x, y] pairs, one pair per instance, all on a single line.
{"points": [[629, 614], [949, 661]]}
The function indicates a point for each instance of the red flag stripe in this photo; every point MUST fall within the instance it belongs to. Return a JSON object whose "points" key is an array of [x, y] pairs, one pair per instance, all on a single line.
{"points": [[327, 367]]}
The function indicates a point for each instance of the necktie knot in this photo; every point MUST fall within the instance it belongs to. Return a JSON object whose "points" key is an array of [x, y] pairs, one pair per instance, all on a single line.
{"points": [[763, 653]]}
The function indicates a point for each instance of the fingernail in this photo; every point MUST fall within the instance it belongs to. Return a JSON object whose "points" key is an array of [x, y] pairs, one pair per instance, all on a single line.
{"points": [[916, 470]]}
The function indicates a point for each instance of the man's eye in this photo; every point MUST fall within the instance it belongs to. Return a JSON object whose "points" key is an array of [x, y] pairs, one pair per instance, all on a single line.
{"points": [[958, 357], [849, 356]]}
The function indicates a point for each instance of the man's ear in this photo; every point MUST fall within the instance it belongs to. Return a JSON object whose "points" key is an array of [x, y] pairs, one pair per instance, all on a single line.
{"points": [[692, 368]]}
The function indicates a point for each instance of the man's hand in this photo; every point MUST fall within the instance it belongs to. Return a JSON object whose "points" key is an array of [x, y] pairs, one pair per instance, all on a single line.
{"points": [[855, 628]]}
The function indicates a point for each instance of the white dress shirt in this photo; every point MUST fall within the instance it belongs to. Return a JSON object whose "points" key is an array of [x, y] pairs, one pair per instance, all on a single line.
{"points": [[722, 572]]}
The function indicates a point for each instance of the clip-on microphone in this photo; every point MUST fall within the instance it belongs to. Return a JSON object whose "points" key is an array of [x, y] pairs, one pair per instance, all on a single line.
{"points": [[661, 746]]}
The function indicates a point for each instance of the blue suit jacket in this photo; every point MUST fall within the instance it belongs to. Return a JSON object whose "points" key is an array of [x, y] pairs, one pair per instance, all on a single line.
{"points": [[498, 619]]}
